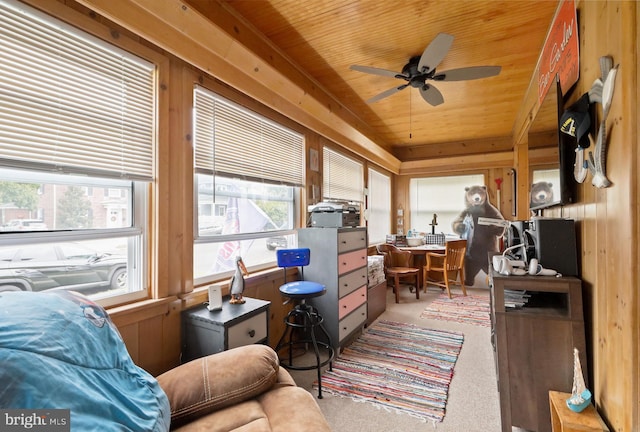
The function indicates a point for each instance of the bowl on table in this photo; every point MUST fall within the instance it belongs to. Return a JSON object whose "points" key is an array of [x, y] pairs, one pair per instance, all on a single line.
{"points": [[415, 241]]}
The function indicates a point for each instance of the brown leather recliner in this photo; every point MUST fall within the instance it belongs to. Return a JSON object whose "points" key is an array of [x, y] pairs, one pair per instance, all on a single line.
{"points": [[239, 389]]}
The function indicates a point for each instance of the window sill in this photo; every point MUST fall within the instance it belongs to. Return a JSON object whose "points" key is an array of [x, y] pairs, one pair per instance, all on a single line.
{"points": [[200, 294]]}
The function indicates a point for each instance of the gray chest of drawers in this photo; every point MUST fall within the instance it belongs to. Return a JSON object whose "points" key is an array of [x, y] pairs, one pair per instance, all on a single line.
{"points": [[339, 261]]}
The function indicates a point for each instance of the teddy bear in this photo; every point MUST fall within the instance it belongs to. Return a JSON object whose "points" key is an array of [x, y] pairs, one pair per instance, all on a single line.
{"points": [[541, 194], [481, 239]]}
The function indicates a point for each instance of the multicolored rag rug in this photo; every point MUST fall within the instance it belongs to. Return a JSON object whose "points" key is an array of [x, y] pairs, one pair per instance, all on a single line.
{"points": [[397, 366], [471, 309]]}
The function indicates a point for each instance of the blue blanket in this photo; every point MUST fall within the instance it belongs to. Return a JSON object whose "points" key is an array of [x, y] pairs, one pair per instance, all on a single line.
{"points": [[61, 351]]}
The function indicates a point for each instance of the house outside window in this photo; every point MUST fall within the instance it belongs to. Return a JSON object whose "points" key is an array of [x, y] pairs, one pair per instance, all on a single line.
{"points": [[249, 172], [77, 115], [443, 196]]}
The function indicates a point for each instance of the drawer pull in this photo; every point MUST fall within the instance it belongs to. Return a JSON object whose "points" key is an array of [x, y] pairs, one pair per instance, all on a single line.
{"points": [[252, 333], [344, 306]]}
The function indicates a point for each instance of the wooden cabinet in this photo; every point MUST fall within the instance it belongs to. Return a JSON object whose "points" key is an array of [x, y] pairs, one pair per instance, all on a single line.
{"points": [[533, 345], [339, 261], [205, 332], [376, 301]]}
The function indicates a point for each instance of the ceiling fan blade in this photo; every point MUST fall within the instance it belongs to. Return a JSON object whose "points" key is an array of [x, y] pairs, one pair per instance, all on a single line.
{"points": [[431, 94], [376, 71], [468, 73], [386, 93], [435, 52]]}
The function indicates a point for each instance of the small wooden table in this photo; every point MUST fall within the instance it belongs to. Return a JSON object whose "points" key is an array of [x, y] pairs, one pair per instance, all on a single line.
{"points": [[419, 254], [565, 420]]}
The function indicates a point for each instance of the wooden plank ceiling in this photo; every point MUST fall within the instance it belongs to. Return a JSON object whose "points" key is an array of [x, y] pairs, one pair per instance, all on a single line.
{"points": [[324, 37]]}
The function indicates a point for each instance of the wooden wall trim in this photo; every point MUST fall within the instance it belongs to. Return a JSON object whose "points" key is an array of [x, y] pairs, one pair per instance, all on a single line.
{"points": [[471, 162], [457, 148], [139, 311]]}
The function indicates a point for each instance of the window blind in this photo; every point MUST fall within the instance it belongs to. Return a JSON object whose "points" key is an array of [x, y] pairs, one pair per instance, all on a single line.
{"points": [[233, 141], [444, 196], [342, 177], [70, 102], [379, 206]]}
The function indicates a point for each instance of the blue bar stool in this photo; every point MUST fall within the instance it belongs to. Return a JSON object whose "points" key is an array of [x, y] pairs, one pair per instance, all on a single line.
{"points": [[304, 321]]}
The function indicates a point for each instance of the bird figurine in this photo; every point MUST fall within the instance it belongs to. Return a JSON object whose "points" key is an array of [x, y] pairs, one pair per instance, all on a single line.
{"points": [[236, 284]]}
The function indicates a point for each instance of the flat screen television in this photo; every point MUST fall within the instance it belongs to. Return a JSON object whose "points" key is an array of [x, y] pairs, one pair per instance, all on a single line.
{"points": [[552, 184]]}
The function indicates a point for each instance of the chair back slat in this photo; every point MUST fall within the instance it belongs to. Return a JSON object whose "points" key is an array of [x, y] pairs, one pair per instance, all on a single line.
{"points": [[455, 252], [393, 256]]}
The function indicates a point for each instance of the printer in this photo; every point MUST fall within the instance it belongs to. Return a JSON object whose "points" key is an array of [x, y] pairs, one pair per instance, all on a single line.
{"points": [[334, 215]]}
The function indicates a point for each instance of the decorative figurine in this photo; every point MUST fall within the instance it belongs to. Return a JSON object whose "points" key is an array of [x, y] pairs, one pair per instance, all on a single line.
{"points": [[433, 223], [580, 394], [236, 284]]}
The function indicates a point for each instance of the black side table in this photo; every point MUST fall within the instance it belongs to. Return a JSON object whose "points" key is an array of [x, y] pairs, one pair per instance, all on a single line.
{"points": [[205, 332]]}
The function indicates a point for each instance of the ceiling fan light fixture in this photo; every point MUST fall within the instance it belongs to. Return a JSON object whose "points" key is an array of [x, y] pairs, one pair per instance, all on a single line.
{"points": [[419, 69]]}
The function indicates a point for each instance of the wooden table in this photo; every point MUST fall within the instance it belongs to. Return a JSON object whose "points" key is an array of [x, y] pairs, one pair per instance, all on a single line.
{"points": [[565, 420], [419, 254]]}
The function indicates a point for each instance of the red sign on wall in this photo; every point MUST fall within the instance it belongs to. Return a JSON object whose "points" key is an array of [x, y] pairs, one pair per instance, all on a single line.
{"points": [[560, 55]]}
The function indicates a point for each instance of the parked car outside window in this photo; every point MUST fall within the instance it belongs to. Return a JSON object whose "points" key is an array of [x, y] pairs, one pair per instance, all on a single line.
{"points": [[68, 266], [24, 225], [276, 242]]}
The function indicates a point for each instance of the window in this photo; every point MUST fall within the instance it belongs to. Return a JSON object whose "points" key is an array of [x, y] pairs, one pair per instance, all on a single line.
{"points": [[343, 177], [443, 196], [77, 115], [248, 175], [379, 207]]}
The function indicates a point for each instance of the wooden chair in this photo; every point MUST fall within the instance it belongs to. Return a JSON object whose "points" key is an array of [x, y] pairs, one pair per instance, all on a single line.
{"points": [[397, 266], [450, 265]]}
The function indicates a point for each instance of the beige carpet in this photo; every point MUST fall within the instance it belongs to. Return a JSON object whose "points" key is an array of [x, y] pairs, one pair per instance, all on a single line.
{"points": [[473, 404]]}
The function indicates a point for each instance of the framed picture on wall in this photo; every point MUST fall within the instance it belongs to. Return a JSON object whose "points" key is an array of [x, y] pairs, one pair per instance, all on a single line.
{"points": [[313, 160]]}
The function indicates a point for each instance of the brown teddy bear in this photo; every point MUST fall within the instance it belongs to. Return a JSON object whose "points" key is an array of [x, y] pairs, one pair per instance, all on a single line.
{"points": [[481, 239]]}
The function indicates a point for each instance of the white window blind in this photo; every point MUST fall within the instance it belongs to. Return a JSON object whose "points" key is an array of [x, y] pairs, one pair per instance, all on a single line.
{"points": [[443, 196], [343, 177], [70, 102], [233, 141], [379, 206]]}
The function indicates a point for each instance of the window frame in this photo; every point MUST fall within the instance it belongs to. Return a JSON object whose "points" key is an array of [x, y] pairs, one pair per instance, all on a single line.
{"points": [[144, 212], [296, 187], [373, 207]]}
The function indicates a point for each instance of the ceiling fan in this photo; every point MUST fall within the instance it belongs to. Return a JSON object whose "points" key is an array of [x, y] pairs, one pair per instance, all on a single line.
{"points": [[421, 69]]}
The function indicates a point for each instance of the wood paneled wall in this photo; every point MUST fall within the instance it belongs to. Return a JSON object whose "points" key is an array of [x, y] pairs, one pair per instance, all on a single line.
{"points": [[607, 219]]}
